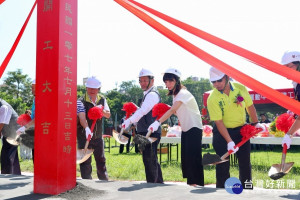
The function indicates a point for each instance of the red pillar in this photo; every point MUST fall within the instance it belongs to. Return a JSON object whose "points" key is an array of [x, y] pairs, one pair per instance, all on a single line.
{"points": [[56, 93]]}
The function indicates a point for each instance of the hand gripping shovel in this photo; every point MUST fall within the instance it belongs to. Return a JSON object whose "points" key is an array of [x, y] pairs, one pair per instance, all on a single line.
{"points": [[213, 159], [277, 171], [84, 154]]}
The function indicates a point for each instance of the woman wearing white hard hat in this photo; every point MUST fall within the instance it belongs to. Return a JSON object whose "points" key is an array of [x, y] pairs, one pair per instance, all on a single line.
{"points": [[291, 59], [90, 99], [187, 111], [227, 105]]}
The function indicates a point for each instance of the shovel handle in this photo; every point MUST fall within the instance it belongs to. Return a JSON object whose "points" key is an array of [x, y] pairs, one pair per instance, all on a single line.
{"points": [[284, 149], [87, 144], [89, 138], [148, 134], [121, 132], [230, 151]]}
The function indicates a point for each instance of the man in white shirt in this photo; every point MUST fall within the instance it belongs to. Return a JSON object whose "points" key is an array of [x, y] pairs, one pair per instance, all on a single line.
{"points": [[8, 127], [143, 118]]}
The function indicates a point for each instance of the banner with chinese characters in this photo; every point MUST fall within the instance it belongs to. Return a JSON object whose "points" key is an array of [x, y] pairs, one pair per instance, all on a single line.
{"points": [[56, 93], [258, 98]]}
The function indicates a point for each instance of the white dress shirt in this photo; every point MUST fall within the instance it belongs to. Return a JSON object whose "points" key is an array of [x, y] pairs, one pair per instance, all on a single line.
{"points": [[5, 114], [151, 99]]}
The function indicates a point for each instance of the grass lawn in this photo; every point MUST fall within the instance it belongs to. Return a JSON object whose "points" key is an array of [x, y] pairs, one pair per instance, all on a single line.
{"points": [[130, 167]]}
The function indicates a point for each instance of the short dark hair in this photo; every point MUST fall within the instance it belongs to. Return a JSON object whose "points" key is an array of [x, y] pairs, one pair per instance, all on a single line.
{"points": [[298, 65], [173, 77]]}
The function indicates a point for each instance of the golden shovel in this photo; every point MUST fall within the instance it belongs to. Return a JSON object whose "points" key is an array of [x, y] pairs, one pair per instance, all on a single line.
{"points": [[119, 137], [277, 171], [84, 154], [13, 141]]}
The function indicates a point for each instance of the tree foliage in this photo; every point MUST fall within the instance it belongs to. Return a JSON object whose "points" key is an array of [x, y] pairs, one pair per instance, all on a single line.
{"points": [[197, 88], [16, 90]]}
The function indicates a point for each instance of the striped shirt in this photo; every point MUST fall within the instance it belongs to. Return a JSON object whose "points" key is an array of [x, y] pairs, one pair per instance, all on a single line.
{"points": [[81, 108]]}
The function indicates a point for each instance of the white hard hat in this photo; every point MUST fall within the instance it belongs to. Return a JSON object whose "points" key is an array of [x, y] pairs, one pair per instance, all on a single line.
{"points": [[93, 82], [215, 74], [33, 82], [290, 56], [173, 71], [145, 72]]}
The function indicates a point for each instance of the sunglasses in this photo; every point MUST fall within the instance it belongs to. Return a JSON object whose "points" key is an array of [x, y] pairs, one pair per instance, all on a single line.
{"points": [[219, 81]]}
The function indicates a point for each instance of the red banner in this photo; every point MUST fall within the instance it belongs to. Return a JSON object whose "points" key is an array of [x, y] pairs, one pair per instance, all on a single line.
{"points": [[255, 58], [13, 48], [256, 97], [262, 89]]}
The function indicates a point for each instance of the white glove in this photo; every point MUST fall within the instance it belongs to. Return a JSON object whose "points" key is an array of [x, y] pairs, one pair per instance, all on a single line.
{"points": [[88, 132], [20, 130], [230, 146], [260, 126], [287, 140], [154, 126], [100, 106], [126, 123]]}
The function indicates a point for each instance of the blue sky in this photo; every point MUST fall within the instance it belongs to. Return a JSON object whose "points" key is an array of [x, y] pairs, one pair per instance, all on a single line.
{"points": [[114, 45]]}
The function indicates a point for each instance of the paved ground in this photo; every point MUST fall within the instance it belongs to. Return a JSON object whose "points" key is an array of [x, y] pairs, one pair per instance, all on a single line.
{"points": [[21, 187]]}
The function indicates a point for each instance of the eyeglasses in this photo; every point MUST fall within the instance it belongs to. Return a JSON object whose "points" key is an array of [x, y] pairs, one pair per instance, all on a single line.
{"points": [[219, 81]]}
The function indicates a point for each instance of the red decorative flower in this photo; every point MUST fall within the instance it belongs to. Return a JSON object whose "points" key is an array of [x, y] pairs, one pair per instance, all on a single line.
{"points": [[23, 119], [284, 122], [129, 108], [159, 110], [95, 113], [204, 111], [248, 131], [239, 99]]}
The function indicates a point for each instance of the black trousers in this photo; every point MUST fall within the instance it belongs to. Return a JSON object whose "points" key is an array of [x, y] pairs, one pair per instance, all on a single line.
{"points": [[191, 156], [9, 159], [86, 167], [152, 167], [243, 156], [127, 145]]}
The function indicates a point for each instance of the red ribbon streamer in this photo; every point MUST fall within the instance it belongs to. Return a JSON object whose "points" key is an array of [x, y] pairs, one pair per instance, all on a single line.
{"points": [[255, 58], [266, 91], [13, 48], [1, 1]]}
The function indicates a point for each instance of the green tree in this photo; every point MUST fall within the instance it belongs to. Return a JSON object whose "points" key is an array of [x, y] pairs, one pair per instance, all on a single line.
{"points": [[164, 97], [197, 88], [80, 91], [16, 90]]}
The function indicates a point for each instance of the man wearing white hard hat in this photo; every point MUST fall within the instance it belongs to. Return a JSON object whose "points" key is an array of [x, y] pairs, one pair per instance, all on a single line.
{"points": [[90, 99], [227, 106], [188, 113], [291, 59], [143, 118]]}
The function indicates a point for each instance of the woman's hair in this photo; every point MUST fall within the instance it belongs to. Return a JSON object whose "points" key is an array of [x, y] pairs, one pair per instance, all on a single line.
{"points": [[298, 65], [178, 85]]}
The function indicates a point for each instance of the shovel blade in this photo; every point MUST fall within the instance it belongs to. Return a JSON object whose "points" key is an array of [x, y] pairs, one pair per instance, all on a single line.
{"points": [[120, 138], [212, 159], [82, 156], [12, 141], [275, 171]]}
